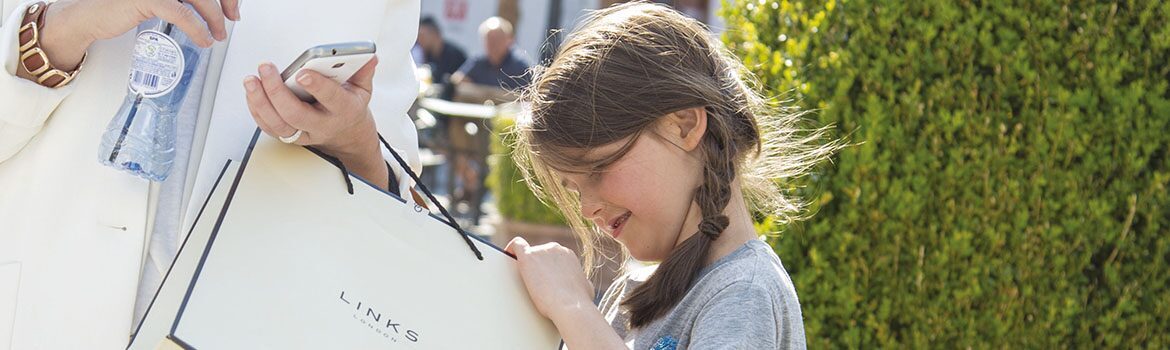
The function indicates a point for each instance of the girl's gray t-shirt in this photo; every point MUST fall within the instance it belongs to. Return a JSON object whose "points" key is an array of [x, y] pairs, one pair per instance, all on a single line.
{"points": [[744, 300]]}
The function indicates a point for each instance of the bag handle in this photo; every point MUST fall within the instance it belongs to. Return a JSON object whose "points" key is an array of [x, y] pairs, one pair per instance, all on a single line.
{"points": [[393, 184], [450, 220]]}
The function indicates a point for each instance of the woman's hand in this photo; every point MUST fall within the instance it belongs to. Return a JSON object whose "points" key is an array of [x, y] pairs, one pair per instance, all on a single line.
{"points": [[554, 279], [339, 123], [72, 25]]}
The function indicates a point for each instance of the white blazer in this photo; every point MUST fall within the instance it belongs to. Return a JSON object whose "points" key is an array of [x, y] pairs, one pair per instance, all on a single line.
{"points": [[73, 232]]}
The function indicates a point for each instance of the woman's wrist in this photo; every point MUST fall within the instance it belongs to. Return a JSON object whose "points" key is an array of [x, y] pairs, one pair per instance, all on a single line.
{"points": [[358, 149], [362, 155], [62, 39], [366, 165]]}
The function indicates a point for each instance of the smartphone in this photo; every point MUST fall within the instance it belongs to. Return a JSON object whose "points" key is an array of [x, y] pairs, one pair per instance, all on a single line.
{"points": [[336, 61]]}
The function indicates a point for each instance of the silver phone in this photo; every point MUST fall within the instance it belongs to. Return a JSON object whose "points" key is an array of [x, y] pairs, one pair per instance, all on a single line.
{"points": [[337, 62]]}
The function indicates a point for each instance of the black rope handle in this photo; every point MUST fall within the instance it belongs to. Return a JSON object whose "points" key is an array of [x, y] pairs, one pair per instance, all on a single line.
{"points": [[393, 182], [337, 163], [451, 220]]}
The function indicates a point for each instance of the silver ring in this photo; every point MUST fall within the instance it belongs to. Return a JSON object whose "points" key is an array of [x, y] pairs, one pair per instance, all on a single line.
{"points": [[295, 136]]}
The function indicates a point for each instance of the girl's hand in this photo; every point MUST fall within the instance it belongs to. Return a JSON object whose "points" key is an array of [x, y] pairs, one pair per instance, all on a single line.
{"points": [[339, 123], [554, 279], [557, 286], [72, 25]]}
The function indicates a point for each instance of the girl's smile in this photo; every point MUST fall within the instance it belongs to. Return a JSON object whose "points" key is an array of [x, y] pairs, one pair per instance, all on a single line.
{"points": [[616, 225]]}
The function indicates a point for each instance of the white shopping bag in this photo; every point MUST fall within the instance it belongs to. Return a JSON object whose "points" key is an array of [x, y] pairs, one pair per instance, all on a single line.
{"points": [[282, 256]]}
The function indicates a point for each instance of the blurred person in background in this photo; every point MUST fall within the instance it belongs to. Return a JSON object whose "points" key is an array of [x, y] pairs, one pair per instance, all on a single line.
{"points": [[443, 57], [498, 72]]}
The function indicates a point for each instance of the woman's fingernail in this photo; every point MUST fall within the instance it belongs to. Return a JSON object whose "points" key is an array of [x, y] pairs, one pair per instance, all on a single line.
{"points": [[305, 80], [267, 69], [250, 83]]}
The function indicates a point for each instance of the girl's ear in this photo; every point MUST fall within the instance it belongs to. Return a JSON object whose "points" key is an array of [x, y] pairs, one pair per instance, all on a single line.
{"points": [[687, 127]]}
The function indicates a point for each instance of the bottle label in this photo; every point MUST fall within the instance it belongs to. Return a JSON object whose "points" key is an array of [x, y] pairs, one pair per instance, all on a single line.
{"points": [[157, 65]]}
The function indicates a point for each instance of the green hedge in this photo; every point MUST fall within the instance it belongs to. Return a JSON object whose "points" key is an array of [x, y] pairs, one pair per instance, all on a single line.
{"points": [[512, 196], [1009, 189]]}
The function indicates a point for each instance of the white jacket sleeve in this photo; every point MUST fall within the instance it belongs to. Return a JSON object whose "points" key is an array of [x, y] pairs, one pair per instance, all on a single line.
{"points": [[395, 88], [24, 105]]}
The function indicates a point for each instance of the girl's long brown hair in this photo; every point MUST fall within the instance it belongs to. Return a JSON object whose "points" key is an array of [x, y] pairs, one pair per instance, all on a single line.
{"points": [[622, 70]]}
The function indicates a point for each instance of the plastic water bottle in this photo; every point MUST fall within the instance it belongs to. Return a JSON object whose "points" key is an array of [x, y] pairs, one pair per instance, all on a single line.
{"points": [[140, 139]]}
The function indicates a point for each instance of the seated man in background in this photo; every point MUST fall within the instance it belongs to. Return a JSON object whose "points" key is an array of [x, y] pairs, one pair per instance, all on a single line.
{"points": [[443, 57], [497, 73]]}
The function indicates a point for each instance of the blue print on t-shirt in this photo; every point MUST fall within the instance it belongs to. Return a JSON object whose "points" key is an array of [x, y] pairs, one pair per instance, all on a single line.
{"points": [[665, 343]]}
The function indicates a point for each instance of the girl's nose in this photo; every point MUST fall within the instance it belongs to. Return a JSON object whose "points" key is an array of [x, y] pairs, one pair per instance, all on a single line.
{"points": [[591, 208]]}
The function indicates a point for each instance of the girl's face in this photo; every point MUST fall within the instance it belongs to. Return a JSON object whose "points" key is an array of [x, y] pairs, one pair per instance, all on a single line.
{"points": [[645, 199]]}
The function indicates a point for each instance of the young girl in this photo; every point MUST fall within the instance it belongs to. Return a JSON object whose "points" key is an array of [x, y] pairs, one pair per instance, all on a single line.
{"points": [[646, 126]]}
